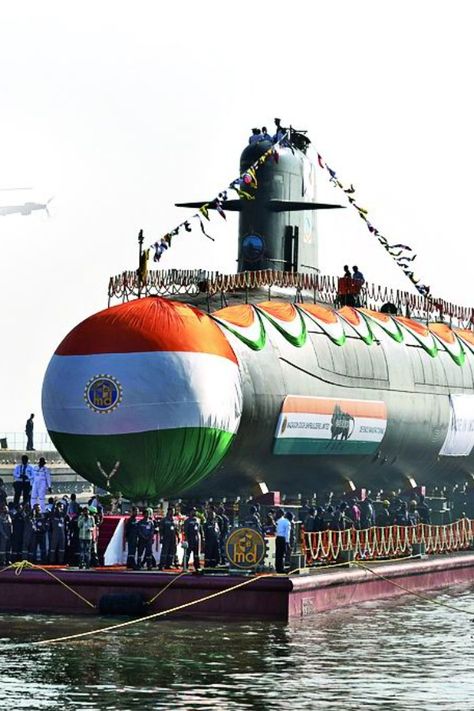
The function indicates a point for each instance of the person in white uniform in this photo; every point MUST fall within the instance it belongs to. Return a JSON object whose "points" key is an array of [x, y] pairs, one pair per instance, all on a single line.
{"points": [[41, 484]]}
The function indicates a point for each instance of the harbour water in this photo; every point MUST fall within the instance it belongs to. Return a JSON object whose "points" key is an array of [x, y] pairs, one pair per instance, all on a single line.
{"points": [[399, 654]]}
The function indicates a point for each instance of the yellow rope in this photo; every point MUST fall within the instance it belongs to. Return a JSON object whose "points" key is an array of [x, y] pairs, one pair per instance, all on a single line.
{"points": [[22, 565], [150, 602], [412, 592], [152, 616]]}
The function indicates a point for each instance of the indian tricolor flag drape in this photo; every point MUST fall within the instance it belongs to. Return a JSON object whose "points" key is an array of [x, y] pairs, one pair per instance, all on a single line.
{"points": [[318, 425], [153, 384]]}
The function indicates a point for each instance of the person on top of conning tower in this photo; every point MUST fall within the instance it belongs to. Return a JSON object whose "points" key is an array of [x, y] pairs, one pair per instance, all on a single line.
{"points": [[280, 131], [256, 136], [265, 136]]}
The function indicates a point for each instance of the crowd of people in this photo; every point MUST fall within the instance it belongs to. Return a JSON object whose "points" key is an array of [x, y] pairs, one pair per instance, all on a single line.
{"points": [[54, 532], [203, 530], [393, 511]]}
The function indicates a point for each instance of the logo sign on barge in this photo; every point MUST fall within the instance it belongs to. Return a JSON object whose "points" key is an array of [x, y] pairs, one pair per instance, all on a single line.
{"points": [[245, 548], [317, 425]]}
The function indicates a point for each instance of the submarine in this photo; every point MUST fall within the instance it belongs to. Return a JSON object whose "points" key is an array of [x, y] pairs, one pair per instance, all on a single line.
{"points": [[287, 394]]}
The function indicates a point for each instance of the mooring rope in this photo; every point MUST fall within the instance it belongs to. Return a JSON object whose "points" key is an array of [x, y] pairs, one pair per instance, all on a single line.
{"points": [[154, 615], [177, 577], [413, 592]]}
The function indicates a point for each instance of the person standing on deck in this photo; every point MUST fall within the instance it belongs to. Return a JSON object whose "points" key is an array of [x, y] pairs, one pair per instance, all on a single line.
{"points": [[41, 484], [131, 536], [169, 540], [283, 532], [211, 540], [29, 427], [145, 535], [22, 477], [193, 537], [5, 535], [86, 525]]}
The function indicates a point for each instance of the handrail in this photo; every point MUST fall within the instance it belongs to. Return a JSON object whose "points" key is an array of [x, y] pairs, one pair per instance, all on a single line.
{"points": [[387, 542], [320, 287]]}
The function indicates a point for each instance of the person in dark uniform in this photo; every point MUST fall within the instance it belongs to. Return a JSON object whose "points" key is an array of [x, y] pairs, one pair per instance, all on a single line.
{"points": [[145, 534], [29, 427], [22, 477], [29, 536], [131, 536], [73, 555], [319, 523], [168, 539], [18, 523], [5, 535], [253, 520], [211, 540], [383, 516], [39, 525], [424, 510], [224, 525], [57, 535], [193, 537], [308, 521]]}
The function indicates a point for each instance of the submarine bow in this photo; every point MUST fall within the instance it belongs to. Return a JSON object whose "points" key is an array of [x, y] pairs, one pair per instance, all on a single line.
{"points": [[152, 385]]}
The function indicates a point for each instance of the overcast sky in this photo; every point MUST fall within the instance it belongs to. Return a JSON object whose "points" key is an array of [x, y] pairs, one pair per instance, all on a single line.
{"points": [[118, 110]]}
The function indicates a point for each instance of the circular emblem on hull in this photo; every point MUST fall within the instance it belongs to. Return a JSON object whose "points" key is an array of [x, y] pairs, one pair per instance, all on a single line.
{"points": [[245, 548], [103, 394]]}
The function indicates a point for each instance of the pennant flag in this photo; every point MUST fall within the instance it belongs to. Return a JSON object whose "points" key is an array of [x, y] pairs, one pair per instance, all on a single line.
{"points": [[320, 161], [401, 246], [204, 211], [243, 194], [361, 209], [350, 190], [203, 230], [220, 210], [187, 226]]}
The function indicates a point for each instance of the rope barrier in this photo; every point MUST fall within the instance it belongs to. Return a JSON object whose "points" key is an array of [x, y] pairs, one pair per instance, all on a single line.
{"points": [[22, 565], [412, 592]]}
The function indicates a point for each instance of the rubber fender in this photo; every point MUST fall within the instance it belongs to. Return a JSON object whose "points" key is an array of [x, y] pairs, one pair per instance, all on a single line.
{"points": [[131, 604]]}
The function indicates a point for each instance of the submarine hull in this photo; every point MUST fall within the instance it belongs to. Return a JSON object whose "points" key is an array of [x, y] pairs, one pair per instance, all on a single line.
{"points": [[411, 374], [301, 397]]}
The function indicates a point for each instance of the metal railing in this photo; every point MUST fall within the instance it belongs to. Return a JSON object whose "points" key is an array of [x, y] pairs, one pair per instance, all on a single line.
{"points": [[17, 441], [316, 287]]}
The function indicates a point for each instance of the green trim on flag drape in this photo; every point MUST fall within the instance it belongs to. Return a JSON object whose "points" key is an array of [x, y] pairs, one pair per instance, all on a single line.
{"points": [[152, 464]]}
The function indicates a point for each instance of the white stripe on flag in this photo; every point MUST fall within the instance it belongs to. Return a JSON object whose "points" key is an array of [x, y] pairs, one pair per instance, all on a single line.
{"points": [[160, 390]]}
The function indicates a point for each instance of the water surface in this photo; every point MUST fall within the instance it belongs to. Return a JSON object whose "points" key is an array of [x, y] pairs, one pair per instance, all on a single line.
{"points": [[395, 655]]}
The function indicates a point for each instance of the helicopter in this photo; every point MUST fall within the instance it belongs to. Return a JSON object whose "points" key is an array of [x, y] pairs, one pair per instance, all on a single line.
{"points": [[26, 209]]}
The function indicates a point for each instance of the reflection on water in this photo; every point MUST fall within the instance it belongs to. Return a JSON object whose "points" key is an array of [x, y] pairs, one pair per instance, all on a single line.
{"points": [[404, 654]]}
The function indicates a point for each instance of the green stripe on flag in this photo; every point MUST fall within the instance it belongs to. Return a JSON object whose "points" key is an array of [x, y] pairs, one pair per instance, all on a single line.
{"points": [[152, 464], [305, 445]]}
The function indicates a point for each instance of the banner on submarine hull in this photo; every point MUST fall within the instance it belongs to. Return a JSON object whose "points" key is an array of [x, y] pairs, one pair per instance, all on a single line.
{"points": [[459, 440], [317, 425]]}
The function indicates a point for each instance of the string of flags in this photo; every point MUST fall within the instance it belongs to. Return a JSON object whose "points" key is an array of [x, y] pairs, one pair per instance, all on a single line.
{"points": [[402, 254], [242, 186]]}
